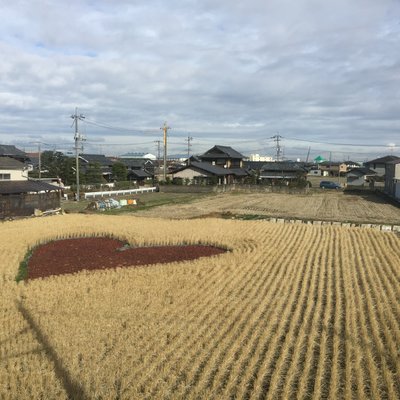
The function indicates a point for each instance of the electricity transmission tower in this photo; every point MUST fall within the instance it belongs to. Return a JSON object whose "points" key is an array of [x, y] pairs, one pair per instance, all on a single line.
{"points": [[78, 146], [277, 138], [189, 145], [165, 128]]}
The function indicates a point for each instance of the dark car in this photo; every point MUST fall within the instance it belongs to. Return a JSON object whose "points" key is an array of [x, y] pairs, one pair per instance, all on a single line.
{"points": [[329, 185]]}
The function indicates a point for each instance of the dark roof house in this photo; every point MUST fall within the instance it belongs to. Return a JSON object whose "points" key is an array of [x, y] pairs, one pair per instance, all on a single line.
{"points": [[223, 156], [360, 177], [283, 171], [204, 170]]}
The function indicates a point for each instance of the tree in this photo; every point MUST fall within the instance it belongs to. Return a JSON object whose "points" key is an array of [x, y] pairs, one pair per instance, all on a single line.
{"points": [[119, 172], [93, 174]]}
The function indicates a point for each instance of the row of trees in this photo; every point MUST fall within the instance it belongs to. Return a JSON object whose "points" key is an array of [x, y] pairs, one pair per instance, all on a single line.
{"points": [[55, 164]]}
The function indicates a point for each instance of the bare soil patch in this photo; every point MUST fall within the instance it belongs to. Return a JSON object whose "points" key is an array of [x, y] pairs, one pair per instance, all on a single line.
{"points": [[72, 255]]}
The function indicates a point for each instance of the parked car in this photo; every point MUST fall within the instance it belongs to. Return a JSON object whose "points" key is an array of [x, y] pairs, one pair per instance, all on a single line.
{"points": [[329, 185]]}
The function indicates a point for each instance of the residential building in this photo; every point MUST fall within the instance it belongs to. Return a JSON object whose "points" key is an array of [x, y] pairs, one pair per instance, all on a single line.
{"points": [[361, 177], [103, 162], [379, 164], [282, 172], [205, 173], [392, 179], [12, 170], [223, 156]]}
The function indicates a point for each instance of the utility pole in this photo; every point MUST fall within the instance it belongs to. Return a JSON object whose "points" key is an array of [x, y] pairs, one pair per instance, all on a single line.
{"points": [[78, 146], [158, 143], [189, 145], [277, 139], [165, 128], [40, 161], [308, 153]]}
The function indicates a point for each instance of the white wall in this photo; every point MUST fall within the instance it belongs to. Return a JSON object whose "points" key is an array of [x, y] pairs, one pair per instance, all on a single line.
{"points": [[15, 175], [257, 157], [187, 173]]}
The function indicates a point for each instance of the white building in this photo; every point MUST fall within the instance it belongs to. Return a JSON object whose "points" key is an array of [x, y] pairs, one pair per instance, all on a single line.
{"points": [[12, 170], [257, 157], [147, 156]]}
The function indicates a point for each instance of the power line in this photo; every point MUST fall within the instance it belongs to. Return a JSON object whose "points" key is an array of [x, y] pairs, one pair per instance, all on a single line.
{"points": [[340, 144], [118, 128]]}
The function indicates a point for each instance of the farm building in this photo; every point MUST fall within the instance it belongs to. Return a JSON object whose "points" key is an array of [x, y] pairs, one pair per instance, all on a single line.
{"points": [[21, 198]]}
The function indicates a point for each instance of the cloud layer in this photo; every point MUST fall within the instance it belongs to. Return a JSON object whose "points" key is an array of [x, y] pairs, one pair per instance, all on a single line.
{"points": [[225, 72]]}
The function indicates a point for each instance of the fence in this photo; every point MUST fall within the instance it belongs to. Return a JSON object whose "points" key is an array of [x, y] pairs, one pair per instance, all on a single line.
{"points": [[24, 204], [125, 192]]}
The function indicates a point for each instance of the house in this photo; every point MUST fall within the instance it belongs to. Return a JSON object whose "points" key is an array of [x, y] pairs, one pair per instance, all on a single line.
{"points": [[361, 177], [198, 172], [12, 170], [332, 168], [223, 156], [379, 164], [282, 172], [392, 179], [140, 176], [104, 163], [134, 165], [22, 197]]}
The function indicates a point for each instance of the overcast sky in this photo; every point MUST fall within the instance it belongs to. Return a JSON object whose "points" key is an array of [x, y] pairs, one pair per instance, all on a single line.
{"points": [[324, 75]]}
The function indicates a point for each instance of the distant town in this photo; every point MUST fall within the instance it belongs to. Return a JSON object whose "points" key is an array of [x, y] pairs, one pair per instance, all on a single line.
{"points": [[48, 171]]}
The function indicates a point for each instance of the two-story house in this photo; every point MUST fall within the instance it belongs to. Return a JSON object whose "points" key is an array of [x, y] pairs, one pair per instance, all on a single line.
{"points": [[223, 156], [379, 164]]}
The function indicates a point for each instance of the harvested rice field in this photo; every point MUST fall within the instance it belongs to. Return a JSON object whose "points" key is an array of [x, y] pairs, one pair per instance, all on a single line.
{"points": [[289, 311]]}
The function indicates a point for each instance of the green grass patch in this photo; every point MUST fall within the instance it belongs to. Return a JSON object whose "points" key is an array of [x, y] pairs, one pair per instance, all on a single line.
{"points": [[23, 267]]}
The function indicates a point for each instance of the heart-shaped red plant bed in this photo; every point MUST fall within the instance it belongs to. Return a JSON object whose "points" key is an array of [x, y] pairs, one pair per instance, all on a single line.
{"points": [[72, 255]]}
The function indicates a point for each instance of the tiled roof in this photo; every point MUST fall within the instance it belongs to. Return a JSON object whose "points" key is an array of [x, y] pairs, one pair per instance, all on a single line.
{"points": [[283, 166], [9, 150], [96, 158], [214, 169], [10, 163], [139, 173], [226, 150], [16, 187], [361, 171], [383, 160], [207, 167]]}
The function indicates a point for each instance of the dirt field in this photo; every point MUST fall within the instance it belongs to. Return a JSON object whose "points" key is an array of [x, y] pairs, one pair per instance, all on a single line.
{"points": [[330, 206]]}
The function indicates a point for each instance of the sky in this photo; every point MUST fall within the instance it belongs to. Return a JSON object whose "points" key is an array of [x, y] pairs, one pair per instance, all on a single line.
{"points": [[324, 76]]}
